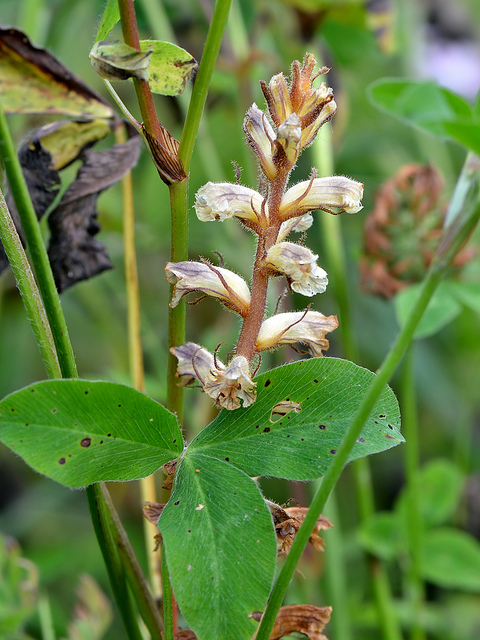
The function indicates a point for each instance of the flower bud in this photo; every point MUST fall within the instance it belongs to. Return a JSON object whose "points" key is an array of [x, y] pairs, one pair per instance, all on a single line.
{"points": [[220, 283], [306, 327], [221, 200], [260, 138], [298, 264], [334, 195], [278, 99]]}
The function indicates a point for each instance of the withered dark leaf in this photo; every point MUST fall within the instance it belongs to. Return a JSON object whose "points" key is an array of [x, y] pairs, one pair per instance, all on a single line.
{"points": [[47, 150], [32, 80], [74, 252], [43, 182], [152, 511]]}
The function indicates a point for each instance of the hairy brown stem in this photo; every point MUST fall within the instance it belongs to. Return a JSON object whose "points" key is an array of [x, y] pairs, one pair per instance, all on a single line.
{"points": [[142, 88], [247, 340]]}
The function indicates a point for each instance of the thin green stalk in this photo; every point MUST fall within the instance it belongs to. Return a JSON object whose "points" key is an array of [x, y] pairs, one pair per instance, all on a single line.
{"points": [[29, 292], [335, 574], [336, 259], [167, 599], [64, 351], [102, 525], [45, 617], [179, 192], [177, 315], [453, 239], [202, 81], [412, 461], [36, 247], [146, 604]]}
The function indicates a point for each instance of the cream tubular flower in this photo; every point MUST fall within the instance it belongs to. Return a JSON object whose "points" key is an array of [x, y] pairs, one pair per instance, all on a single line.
{"points": [[194, 363], [260, 138], [221, 200], [220, 283], [334, 195], [226, 385], [299, 266], [306, 327], [232, 385], [299, 225]]}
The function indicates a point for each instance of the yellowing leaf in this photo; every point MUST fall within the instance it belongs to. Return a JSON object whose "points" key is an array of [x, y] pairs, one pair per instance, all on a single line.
{"points": [[170, 67], [32, 80]]}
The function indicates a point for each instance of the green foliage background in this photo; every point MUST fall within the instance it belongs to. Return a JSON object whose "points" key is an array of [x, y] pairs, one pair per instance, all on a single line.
{"points": [[52, 523]]}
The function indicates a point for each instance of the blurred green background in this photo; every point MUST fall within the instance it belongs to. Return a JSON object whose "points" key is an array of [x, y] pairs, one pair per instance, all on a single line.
{"points": [[361, 42]]}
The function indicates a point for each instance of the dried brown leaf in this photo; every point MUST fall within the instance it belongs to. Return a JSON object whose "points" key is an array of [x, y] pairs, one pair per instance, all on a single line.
{"points": [[299, 618], [287, 521], [74, 252]]}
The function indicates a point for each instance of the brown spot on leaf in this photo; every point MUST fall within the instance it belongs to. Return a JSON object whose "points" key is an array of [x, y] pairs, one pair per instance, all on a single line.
{"points": [[62, 461], [86, 442]]}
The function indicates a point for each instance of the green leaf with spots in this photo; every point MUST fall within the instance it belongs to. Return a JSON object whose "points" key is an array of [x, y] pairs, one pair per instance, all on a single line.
{"points": [[321, 396], [78, 432], [221, 548], [170, 67]]}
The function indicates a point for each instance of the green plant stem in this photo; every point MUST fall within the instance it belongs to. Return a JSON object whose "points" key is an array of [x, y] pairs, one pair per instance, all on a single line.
{"points": [[336, 259], [202, 82], [64, 351], [102, 525], [335, 574], [144, 600], [454, 236], [167, 599], [36, 247], [45, 617], [179, 192], [29, 292], [412, 461]]}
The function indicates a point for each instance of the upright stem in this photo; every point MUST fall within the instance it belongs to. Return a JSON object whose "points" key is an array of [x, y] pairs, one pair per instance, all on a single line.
{"points": [[266, 239], [202, 81], [464, 213], [29, 292], [336, 259], [106, 532], [412, 460], [333, 473], [34, 240]]}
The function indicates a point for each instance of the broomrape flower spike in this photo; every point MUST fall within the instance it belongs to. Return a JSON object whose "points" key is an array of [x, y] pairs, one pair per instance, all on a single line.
{"points": [[296, 111]]}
